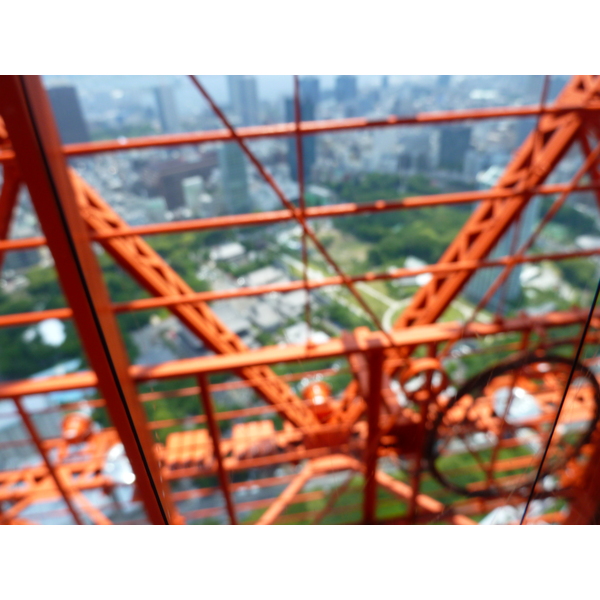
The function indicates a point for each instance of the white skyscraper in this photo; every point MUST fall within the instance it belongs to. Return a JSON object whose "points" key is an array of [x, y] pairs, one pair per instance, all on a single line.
{"points": [[232, 165], [243, 98], [167, 109], [483, 279]]}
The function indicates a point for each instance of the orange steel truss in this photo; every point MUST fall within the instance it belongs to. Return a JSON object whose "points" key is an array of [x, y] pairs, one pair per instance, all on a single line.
{"points": [[353, 434]]}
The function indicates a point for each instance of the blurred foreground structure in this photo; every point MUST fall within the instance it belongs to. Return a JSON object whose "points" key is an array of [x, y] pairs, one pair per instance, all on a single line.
{"points": [[399, 420]]}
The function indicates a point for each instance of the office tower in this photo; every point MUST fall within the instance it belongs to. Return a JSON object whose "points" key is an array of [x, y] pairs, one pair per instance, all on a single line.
{"points": [[165, 178], [69, 117], [524, 128], [345, 88], [443, 81], [534, 85], [310, 89], [192, 187], [307, 110], [453, 146], [167, 109], [482, 280], [510, 291], [385, 82], [243, 97], [234, 179]]}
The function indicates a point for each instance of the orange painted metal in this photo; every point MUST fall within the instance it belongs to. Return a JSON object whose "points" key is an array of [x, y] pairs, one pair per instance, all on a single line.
{"points": [[312, 127], [529, 168], [8, 201], [216, 442], [587, 166], [318, 396], [167, 301], [54, 474], [76, 428], [298, 214], [373, 400], [153, 273], [28, 117], [271, 355], [313, 212], [256, 445], [292, 490]]}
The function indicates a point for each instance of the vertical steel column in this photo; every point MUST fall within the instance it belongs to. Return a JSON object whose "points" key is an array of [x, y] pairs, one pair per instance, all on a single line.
{"points": [[40, 447], [215, 434], [302, 202], [375, 362], [419, 455], [27, 113], [8, 200]]}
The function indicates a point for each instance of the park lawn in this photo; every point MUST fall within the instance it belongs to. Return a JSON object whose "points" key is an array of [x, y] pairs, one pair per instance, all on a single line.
{"points": [[349, 253]]}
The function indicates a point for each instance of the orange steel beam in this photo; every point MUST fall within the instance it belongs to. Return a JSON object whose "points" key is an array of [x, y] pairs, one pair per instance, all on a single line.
{"points": [[60, 485], [588, 164], [298, 214], [22, 244], [16, 485], [423, 409], [585, 507], [8, 201], [30, 124], [93, 512], [204, 513], [529, 168], [334, 496], [433, 333], [153, 273], [587, 150], [373, 400], [233, 464], [37, 483], [28, 318], [401, 273], [331, 210], [259, 410], [271, 355], [290, 492], [316, 467], [312, 212], [310, 128], [215, 435]]}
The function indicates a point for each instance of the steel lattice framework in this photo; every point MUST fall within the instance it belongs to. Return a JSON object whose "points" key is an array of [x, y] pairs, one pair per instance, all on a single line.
{"points": [[366, 423]]}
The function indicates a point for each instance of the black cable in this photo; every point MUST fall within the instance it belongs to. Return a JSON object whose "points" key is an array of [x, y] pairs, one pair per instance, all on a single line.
{"points": [[562, 402], [86, 290]]}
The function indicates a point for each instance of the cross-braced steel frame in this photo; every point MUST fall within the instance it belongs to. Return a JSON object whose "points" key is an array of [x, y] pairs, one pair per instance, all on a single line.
{"points": [[366, 424]]}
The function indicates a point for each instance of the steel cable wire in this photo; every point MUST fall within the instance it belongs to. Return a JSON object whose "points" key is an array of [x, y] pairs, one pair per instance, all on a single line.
{"points": [[562, 401]]}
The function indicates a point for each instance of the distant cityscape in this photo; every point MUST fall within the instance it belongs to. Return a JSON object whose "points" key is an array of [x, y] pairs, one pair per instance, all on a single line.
{"points": [[213, 179], [471, 155]]}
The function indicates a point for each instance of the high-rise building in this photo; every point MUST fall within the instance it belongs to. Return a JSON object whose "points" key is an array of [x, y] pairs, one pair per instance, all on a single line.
{"points": [[165, 178], [234, 178], [243, 97], [307, 110], [453, 145], [510, 291], [534, 85], [167, 109], [69, 117], [524, 128], [443, 81], [346, 88], [310, 89]]}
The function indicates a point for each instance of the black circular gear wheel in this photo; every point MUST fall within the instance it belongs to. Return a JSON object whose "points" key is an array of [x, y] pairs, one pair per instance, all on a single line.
{"points": [[493, 405]]}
